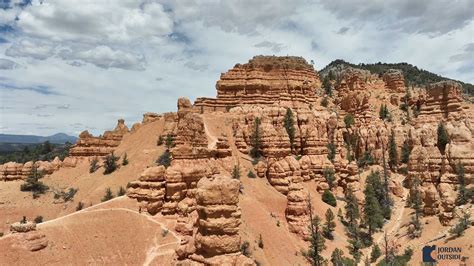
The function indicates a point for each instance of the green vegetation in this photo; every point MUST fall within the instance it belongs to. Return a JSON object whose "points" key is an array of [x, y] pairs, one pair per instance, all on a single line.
{"points": [[169, 142], [110, 163], [463, 196], [406, 150], [349, 120], [372, 211], [108, 195], [38, 219], [414, 76], [160, 141], [317, 246], [327, 86], [331, 151], [255, 139], [236, 172], [329, 198], [121, 191], [125, 159], [392, 152], [443, 137], [338, 259], [415, 201], [290, 127], [80, 206], [36, 152], [329, 224], [365, 160], [33, 183], [400, 260], [329, 176], [94, 165], [260, 241], [66, 196], [245, 248], [164, 159], [375, 253], [384, 113], [463, 223], [251, 175]]}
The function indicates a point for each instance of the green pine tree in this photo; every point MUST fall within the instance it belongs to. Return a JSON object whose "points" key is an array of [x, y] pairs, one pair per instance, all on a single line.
{"points": [[462, 225], [317, 245], [349, 120], [236, 172], [331, 151], [372, 210], [406, 150], [463, 197], [108, 195], [443, 137], [329, 224], [125, 159], [290, 127], [110, 163], [327, 86], [352, 213], [375, 253], [255, 139], [329, 176], [392, 152]]}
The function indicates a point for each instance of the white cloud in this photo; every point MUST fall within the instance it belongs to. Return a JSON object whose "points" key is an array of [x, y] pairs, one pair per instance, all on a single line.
{"points": [[6, 64], [29, 48]]}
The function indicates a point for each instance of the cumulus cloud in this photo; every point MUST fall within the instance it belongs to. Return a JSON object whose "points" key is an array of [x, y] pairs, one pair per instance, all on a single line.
{"points": [[423, 16], [6, 64], [273, 46], [29, 48], [105, 57]]}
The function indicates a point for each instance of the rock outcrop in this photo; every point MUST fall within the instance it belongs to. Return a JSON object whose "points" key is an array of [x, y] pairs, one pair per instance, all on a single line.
{"points": [[264, 80], [16, 171], [394, 80], [89, 146]]}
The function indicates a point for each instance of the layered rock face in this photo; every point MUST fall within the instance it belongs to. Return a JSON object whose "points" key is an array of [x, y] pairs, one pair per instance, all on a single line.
{"points": [[149, 190], [265, 80], [90, 146], [443, 101], [394, 80], [15, 171]]}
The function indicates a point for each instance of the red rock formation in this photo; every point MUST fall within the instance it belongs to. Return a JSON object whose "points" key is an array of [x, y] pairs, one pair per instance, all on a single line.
{"points": [[394, 80], [88, 145], [15, 171], [443, 102], [149, 189], [265, 80]]}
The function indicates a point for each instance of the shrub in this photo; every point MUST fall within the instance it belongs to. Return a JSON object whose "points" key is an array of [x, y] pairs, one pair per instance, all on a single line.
{"points": [[383, 112], [329, 198], [349, 120], [251, 175], [461, 226], [375, 253], [290, 127], [324, 102], [365, 160], [164, 159], [94, 165], [108, 195], [329, 176], [33, 184], [255, 139], [443, 137], [331, 151], [260, 241], [68, 196], [160, 141], [169, 142], [79, 206], [125, 159], [405, 152], [110, 163], [164, 232], [236, 172], [39, 219], [245, 248], [121, 191]]}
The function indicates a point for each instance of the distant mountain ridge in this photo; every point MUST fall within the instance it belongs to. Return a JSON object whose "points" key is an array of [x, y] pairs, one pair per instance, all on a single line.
{"points": [[414, 76], [59, 138]]}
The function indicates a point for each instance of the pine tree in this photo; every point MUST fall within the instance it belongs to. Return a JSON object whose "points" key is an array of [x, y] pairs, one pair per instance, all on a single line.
{"points": [[169, 142], [110, 163], [125, 159], [255, 139], [386, 201], [382, 112], [33, 183], [329, 176], [331, 151], [392, 152], [329, 224], [372, 211], [329, 198], [375, 253], [121, 191], [316, 239], [94, 165], [463, 194], [164, 159], [108, 195], [462, 225], [236, 172], [352, 213], [290, 127], [348, 120], [416, 203], [405, 152], [327, 86], [443, 137], [337, 257]]}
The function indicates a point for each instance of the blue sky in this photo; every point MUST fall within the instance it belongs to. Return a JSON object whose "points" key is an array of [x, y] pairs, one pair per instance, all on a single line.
{"points": [[70, 65]]}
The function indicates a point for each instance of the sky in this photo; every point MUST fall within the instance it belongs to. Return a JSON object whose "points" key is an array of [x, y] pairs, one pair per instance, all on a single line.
{"points": [[71, 65]]}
